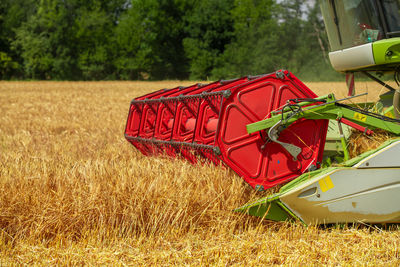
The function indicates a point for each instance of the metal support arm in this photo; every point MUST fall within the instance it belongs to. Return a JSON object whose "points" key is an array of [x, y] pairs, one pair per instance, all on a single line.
{"points": [[331, 109]]}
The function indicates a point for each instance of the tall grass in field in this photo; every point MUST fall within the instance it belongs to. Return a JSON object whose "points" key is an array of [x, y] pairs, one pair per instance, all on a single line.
{"points": [[73, 191]]}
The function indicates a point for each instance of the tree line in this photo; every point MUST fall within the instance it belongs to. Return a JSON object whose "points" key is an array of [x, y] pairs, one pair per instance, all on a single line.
{"points": [[160, 39]]}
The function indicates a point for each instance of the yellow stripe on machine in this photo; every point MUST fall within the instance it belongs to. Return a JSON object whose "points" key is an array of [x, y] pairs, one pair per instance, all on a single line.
{"points": [[326, 184]]}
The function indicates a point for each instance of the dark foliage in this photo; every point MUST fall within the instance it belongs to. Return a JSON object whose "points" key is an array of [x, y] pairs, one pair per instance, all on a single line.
{"points": [[160, 39]]}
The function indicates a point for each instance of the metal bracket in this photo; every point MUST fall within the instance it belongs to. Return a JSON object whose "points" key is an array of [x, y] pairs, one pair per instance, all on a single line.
{"points": [[273, 134], [280, 74]]}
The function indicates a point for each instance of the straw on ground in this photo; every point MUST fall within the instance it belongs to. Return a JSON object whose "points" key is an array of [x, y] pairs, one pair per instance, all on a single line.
{"points": [[73, 191]]}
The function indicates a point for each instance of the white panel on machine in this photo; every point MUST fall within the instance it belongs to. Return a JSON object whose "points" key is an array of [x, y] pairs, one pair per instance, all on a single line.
{"points": [[387, 157], [352, 58]]}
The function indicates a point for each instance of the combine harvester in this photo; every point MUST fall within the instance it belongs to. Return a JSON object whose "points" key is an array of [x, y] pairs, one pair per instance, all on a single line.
{"points": [[272, 129]]}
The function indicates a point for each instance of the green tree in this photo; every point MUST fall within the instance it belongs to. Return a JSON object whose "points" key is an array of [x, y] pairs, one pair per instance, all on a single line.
{"points": [[303, 32], [291, 34], [256, 47], [209, 29], [94, 23], [160, 39], [12, 14], [44, 41], [93, 35], [69, 39], [149, 38]]}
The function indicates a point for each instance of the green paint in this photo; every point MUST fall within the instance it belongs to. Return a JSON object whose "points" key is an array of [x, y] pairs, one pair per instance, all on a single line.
{"points": [[386, 51], [268, 209], [344, 146]]}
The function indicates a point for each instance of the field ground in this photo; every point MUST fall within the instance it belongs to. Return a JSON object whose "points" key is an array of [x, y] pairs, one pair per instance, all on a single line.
{"points": [[73, 191]]}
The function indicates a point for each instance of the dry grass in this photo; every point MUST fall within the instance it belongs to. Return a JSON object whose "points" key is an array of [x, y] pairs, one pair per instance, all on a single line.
{"points": [[73, 191], [360, 143]]}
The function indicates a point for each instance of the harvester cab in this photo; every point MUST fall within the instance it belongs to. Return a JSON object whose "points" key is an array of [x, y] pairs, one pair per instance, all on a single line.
{"points": [[364, 35], [271, 129]]}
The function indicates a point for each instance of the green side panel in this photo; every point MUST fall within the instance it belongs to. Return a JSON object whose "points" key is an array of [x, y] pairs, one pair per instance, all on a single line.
{"points": [[386, 51], [266, 209]]}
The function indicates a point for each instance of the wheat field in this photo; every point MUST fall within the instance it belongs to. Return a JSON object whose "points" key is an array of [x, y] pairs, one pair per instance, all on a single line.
{"points": [[74, 191]]}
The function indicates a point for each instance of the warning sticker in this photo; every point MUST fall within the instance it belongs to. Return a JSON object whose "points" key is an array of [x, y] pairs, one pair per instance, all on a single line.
{"points": [[360, 117], [326, 184]]}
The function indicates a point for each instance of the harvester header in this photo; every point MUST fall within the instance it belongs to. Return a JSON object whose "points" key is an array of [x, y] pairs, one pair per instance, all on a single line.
{"points": [[271, 129], [209, 122]]}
